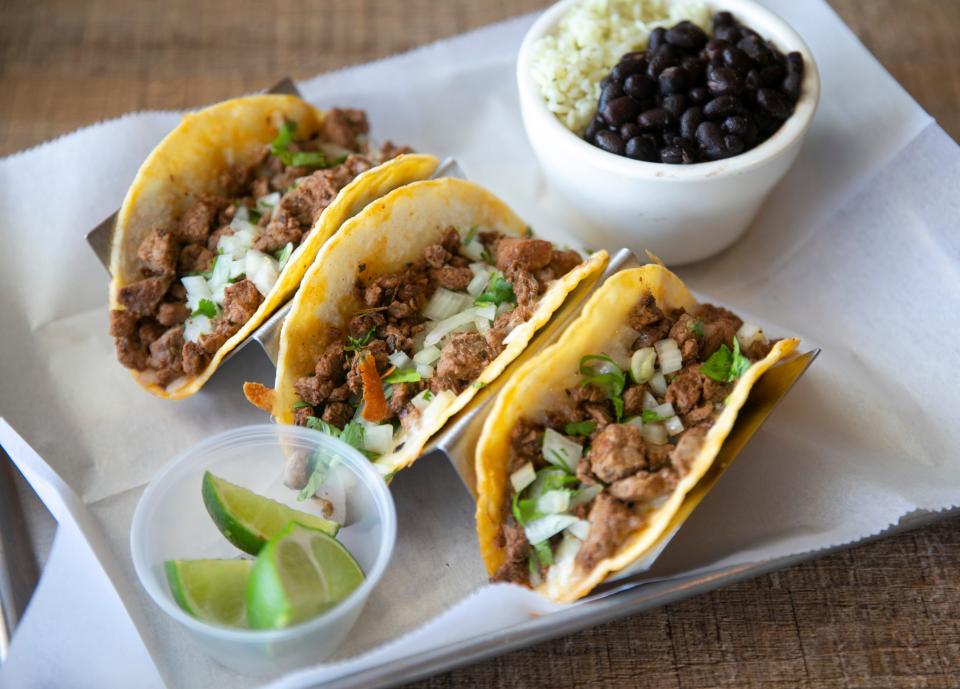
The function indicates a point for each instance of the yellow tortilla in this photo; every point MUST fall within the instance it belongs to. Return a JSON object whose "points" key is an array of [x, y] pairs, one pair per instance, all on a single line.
{"points": [[542, 379], [386, 235], [188, 162]]}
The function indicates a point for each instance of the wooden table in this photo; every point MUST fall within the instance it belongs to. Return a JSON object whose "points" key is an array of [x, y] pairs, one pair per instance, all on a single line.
{"points": [[880, 615]]}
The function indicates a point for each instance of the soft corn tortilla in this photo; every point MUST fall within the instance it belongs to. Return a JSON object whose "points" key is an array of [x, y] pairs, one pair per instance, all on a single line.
{"points": [[188, 163], [544, 378], [382, 239]]}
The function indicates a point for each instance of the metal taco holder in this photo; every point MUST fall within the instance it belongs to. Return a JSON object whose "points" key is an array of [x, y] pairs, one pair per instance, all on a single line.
{"points": [[630, 591]]}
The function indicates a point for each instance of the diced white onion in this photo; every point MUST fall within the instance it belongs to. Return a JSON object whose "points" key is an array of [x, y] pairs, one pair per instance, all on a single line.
{"points": [[642, 364], [197, 289], [488, 311], [479, 267], [244, 225], [566, 553], [195, 326], [553, 502], [399, 359], [472, 250], [236, 268], [427, 355], [425, 371], [505, 307], [483, 325], [654, 433], [444, 327], [545, 527], [445, 303], [585, 495], [673, 425], [478, 283], [669, 355], [560, 451], [580, 529], [265, 203], [261, 270], [658, 383], [649, 401], [285, 255], [378, 438], [664, 411], [422, 400], [523, 477], [241, 213], [220, 275], [750, 333], [634, 421]]}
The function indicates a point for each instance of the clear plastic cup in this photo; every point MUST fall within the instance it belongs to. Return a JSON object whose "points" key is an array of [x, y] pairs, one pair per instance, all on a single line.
{"points": [[171, 523]]}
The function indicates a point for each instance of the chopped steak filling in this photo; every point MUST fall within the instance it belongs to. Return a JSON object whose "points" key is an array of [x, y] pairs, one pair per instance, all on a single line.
{"points": [[425, 331], [205, 276], [617, 444]]}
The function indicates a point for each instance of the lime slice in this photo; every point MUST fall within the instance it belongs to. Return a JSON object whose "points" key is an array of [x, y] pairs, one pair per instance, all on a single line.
{"points": [[211, 590], [298, 575], [249, 520]]}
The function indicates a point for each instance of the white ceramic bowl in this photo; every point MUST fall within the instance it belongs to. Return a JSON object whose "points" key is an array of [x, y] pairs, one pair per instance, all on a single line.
{"points": [[172, 523], [683, 213]]}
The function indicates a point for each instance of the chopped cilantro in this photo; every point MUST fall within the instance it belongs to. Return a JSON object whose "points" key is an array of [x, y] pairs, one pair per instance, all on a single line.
{"points": [[427, 395], [528, 231], [580, 428], [476, 385], [544, 553], [280, 147], [697, 328], [487, 257], [725, 366], [322, 426], [498, 291], [303, 405], [650, 416], [255, 217], [283, 255], [403, 375], [471, 233], [612, 381], [353, 435], [319, 464], [284, 137], [207, 308], [357, 343]]}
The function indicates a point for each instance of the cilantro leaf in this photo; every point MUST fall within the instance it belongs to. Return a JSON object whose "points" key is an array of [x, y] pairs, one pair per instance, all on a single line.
{"points": [[357, 343], [725, 366], [320, 464], [580, 428], [302, 405], [611, 379], [403, 375], [544, 553], [322, 426], [697, 328], [498, 291], [740, 363], [207, 308], [650, 416], [471, 233], [353, 435], [487, 257], [284, 137]]}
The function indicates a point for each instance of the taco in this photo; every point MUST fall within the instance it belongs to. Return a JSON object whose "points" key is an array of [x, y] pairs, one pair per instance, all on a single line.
{"points": [[222, 221], [593, 444], [418, 302]]}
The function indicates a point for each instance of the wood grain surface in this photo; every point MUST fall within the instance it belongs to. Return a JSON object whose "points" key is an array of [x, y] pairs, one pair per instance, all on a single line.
{"points": [[880, 615]]}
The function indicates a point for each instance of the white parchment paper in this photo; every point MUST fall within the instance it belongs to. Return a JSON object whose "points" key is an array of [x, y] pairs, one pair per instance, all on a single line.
{"points": [[855, 249]]}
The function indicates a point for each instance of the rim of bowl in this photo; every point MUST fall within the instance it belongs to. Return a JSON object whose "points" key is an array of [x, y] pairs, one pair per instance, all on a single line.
{"points": [[758, 18], [360, 464]]}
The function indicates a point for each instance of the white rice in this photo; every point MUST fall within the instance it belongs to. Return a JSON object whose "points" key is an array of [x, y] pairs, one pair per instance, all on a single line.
{"points": [[588, 41]]}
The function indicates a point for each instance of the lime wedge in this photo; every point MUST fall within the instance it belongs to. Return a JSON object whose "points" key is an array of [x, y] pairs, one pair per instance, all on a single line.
{"points": [[298, 575], [249, 520], [211, 590]]}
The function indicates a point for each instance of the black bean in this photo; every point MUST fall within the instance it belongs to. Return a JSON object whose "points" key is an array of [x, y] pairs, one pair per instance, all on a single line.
{"points": [[766, 125], [713, 152], [596, 124], [709, 135], [672, 80], [723, 19], [724, 81], [686, 35], [639, 86], [672, 155], [610, 92], [629, 130], [720, 107], [674, 104], [733, 145], [751, 136], [689, 150], [727, 33], [737, 59], [772, 75], [657, 118], [775, 103], [657, 38], [642, 148], [735, 124], [634, 55], [795, 63], [752, 81], [625, 69], [696, 69], [610, 142], [715, 48], [756, 50], [690, 120], [699, 95], [620, 110], [658, 63], [791, 86]]}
